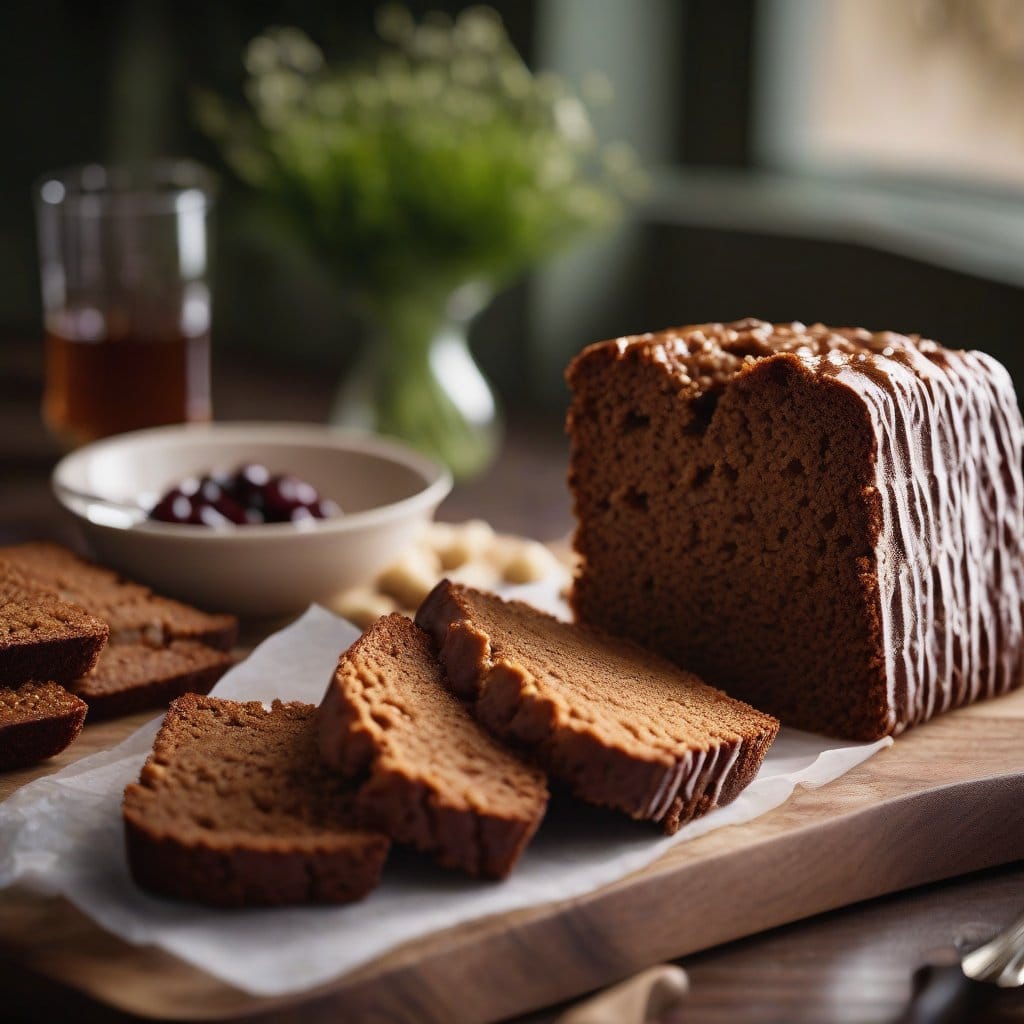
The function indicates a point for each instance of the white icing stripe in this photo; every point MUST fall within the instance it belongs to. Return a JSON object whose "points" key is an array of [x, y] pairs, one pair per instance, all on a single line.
{"points": [[1005, 465], [724, 773], [683, 778], [695, 774], [669, 786], [950, 556]]}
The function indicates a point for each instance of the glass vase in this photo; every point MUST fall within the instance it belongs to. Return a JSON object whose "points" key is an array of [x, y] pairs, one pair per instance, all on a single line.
{"points": [[417, 381]]}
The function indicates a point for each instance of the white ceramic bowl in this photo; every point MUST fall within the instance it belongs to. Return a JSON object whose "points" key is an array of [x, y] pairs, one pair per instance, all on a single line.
{"points": [[384, 488]]}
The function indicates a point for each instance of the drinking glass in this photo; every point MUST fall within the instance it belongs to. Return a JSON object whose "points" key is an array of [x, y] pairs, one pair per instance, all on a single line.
{"points": [[124, 262]]}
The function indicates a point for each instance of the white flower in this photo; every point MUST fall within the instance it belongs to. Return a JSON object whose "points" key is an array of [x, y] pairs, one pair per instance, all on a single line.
{"points": [[572, 121]]}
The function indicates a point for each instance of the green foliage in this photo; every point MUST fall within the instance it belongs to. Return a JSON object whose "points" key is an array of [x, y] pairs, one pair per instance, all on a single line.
{"points": [[443, 160]]}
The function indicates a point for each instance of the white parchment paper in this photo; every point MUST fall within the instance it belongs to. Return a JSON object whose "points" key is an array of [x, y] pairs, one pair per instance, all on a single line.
{"points": [[62, 834]]}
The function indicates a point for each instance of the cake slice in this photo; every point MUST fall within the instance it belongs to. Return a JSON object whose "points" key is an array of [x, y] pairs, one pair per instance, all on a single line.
{"points": [[430, 775], [37, 721], [133, 612], [43, 636], [132, 677], [826, 522], [56, 567], [619, 726], [155, 620], [234, 808]]}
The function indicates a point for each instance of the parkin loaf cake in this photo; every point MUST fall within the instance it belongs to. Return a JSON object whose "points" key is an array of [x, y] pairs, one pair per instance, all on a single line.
{"points": [[429, 774], [43, 637], [617, 725], [37, 721], [234, 808], [827, 523]]}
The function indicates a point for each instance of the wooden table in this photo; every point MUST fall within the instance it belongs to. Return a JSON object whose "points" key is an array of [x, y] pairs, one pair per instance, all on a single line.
{"points": [[851, 965]]}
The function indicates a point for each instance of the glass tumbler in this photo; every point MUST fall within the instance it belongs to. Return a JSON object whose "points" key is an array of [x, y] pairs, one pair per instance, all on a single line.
{"points": [[124, 262]]}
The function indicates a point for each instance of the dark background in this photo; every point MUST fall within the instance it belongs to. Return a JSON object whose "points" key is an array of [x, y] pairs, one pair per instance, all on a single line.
{"points": [[114, 81]]}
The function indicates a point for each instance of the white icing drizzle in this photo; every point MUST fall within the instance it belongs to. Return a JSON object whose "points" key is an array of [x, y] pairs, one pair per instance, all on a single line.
{"points": [[950, 556], [670, 783], [683, 777], [689, 780], [724, 772]]}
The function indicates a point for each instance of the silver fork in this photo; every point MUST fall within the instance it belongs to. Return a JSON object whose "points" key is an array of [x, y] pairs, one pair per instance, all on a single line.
{"points": [[950, 995], [1001, 960]]}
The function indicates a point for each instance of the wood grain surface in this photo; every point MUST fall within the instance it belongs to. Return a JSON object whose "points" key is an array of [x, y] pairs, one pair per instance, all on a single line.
{"points": [[944, 800]]}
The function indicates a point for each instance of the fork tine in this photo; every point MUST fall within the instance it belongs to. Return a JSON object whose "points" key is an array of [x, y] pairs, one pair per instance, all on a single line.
{"points": [[1001, 956]]}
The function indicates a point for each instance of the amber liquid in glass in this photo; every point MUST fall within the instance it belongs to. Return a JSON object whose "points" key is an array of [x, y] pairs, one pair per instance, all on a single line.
{"points": [[110, 384]]}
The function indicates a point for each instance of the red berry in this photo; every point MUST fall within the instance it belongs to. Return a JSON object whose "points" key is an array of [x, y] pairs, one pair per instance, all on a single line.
{"points": [[249, 495]]}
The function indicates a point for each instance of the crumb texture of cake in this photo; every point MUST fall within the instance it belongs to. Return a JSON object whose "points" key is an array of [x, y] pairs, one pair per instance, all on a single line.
{"points": [[37, 721], [234, 808], [43, 636], [133, 612], [132, 677], [429, 775], [827, 523], [619, 726]]}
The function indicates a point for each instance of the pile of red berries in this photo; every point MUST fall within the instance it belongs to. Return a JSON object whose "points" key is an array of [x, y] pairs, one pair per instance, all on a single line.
{"points": [[249, 495]]}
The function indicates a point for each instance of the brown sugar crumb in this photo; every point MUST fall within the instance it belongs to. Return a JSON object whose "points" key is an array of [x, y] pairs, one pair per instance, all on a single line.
{"points": [[799, 513], [619, 726], [43, 636], [234, 808], [432, 777], [37, 721]]}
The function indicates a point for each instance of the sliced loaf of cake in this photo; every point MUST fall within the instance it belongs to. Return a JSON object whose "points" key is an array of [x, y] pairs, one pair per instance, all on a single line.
{"points": [[234, 808], [429, 774], [619, 726], [43, 637], [37, 721]]}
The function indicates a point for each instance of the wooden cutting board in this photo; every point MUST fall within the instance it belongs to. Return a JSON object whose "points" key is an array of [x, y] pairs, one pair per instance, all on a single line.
{"points": [[947, 798]]}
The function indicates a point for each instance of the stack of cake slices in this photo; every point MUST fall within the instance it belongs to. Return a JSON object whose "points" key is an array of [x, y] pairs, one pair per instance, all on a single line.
{"points": [[77, 638], [441, 735], [158, 649], [45, 644]]}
